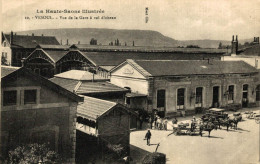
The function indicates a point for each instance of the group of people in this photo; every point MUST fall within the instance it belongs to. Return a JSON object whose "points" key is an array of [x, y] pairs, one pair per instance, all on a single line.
{"points": [[157, 122]]}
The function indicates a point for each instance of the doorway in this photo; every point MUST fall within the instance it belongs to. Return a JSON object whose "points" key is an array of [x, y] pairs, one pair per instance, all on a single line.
{"points": [[215, 102], [245, 96]]}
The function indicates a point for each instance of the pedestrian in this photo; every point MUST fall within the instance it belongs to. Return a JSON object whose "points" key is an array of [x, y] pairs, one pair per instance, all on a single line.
{"points": [[158, 122], [155, 121], [148, 137], [174, 121], [193, 123], [150, 122], [165, 123], [141, 121]]}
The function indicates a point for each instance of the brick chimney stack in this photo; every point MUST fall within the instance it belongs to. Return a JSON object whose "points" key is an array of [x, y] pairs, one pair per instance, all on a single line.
{"points": [[32, 34], [67, 41], [234, 46], [11, 38], [256, 40]]}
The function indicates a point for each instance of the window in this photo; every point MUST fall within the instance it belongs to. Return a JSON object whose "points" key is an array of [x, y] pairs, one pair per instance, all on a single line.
{"points": [[127, 100], [199, 95], [231, 93], [180, 96], [245, 87], [257, 91], [160, 98], [4, 44], [30, 96], [10, 98]]}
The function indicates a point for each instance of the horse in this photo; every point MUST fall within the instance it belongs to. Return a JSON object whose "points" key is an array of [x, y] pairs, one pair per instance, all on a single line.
{"points": [[209, 126], [233, 122], [224, 122]]}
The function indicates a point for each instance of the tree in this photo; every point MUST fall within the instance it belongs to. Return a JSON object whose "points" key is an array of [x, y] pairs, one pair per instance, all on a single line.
{"points": [[33, 153], [220, 45]]}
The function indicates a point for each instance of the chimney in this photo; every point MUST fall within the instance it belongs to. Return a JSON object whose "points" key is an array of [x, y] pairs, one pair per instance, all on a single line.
{"points": [[234, 46], [32, 34], [78, 42], [67, 41], [42, 34], [61, 42], [11, 37], [256, 40]]}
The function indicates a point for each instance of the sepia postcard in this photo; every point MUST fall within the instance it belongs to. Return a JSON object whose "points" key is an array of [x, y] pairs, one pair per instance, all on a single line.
{"points": [[122, 81]]}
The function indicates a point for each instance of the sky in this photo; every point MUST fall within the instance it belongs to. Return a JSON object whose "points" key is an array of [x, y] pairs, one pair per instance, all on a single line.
{"points": [[178, 19]]}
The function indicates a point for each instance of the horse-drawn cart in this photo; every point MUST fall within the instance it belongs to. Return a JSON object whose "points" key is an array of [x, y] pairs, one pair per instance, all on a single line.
{"points": [[250, 114], [215, 114], [181, 128], [185, 128]]}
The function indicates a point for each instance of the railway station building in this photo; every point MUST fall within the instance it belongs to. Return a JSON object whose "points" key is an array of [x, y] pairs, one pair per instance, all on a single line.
{"points": [[177, 87]]}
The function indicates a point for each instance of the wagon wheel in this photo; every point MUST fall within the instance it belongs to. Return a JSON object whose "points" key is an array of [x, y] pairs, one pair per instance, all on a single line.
{"points": [[176, 132], [188, 132], [257, 120]]}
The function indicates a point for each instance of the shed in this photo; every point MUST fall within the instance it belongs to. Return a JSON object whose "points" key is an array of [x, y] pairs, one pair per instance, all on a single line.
{"points": [[109, 121]]}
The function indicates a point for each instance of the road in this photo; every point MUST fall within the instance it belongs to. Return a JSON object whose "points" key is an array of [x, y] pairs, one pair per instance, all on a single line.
{"points": [[235, 146]]}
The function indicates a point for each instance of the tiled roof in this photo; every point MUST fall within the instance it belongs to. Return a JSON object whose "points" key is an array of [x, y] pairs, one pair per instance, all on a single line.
{"points": [[24, 72], [93, 108], [88, 47], [250, 51], [47, 46], [56, 55], [115, 58], [192, 67], [68, 84], [87, 87], [25, 41], [81, 75], [99, 87], [6, 70]]}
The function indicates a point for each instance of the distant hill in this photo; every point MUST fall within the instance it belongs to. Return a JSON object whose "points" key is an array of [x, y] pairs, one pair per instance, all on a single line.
{"points": [[105, 36], [140, 37]]}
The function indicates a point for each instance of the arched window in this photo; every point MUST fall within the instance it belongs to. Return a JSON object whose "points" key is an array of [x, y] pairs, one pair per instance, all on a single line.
{"points": [[257, 92]]}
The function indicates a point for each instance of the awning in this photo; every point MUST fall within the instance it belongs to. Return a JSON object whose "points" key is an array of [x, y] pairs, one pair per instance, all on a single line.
{"points": [[135, 95]]}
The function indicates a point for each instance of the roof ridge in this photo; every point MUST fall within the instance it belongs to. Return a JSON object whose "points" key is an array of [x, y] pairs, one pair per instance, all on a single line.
{"points": [[138, 67], [77, 86]]}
